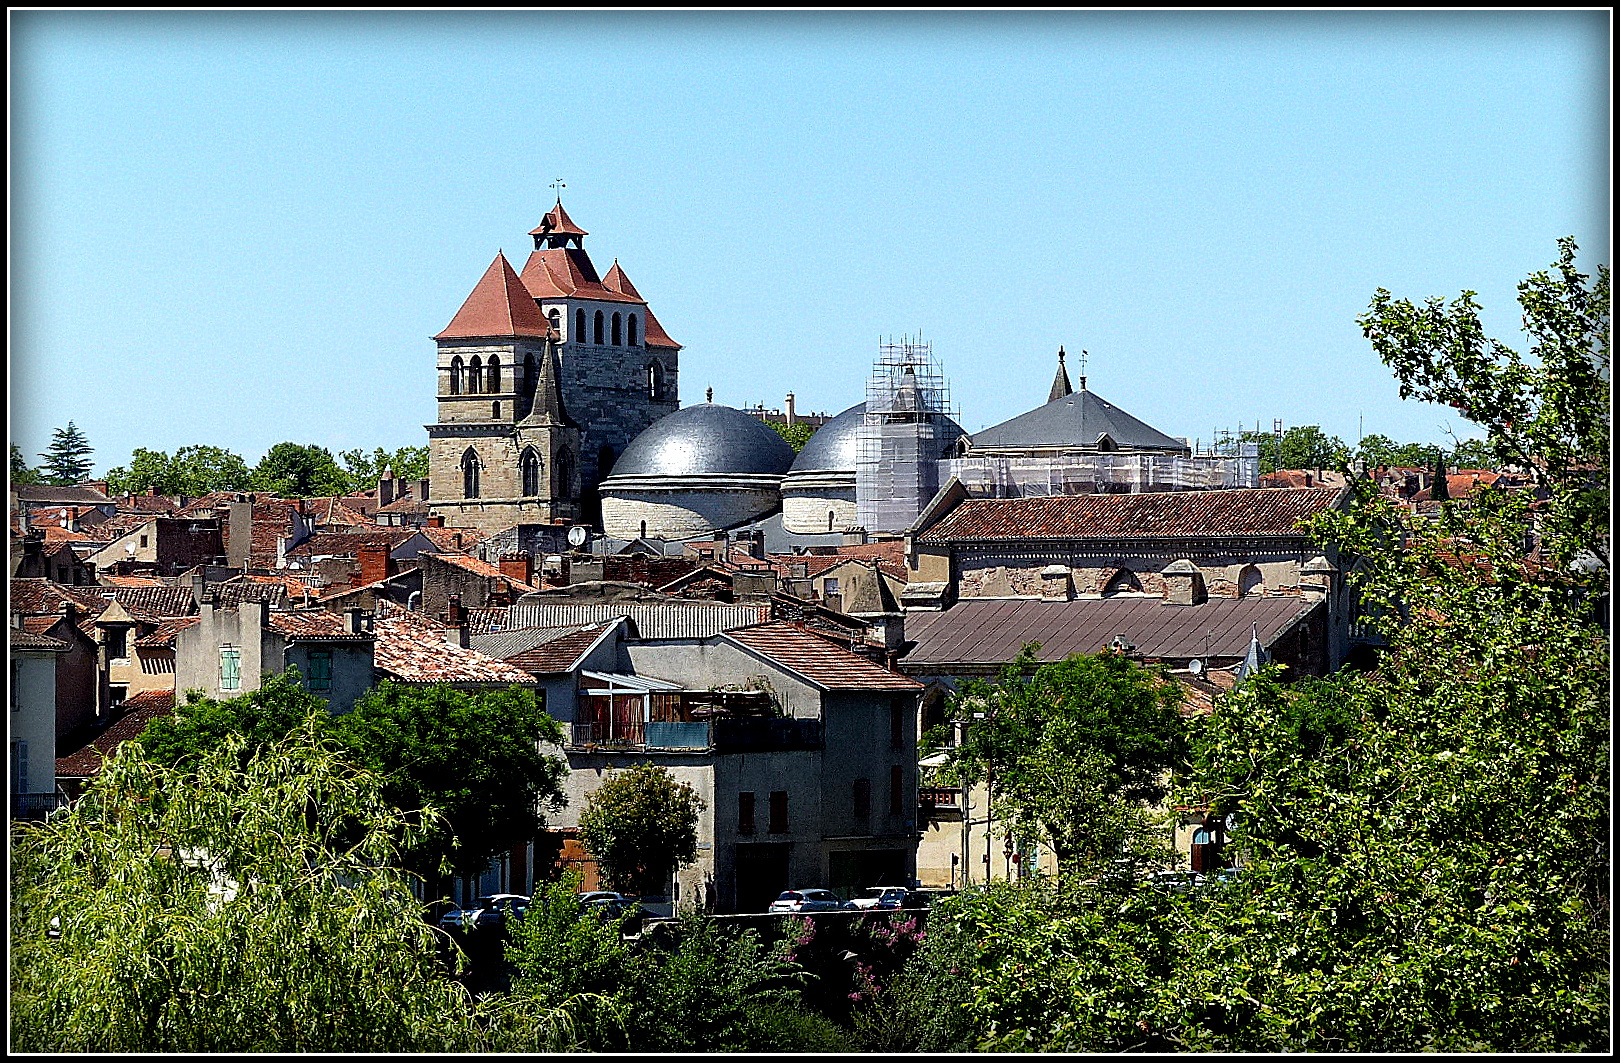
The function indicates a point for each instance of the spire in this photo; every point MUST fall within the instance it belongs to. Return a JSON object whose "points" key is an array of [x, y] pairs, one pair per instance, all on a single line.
{"points": [[499, 305], [1256, 658], [617, 281], [548, 402], [1060, 383], [556, 229]]}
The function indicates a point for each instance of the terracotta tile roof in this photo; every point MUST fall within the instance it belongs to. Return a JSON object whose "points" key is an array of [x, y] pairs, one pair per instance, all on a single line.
{"points": [[116, 527], [21, 638], [567, 273], [232, 593], [54, 534], [620, 283], [111, 580], [823, 663], [1168, 514], [655, 336], [164, 634], [499, 306], [986, 632], [557, 223], [63, 496], [156, 603], [39, 625], [486, 618], [334, 511], [41, 596], [448, 539], [346, 543], [151, 505], [410, 652], [314, 625], [479, 567], [139, 711], [561, 653]]}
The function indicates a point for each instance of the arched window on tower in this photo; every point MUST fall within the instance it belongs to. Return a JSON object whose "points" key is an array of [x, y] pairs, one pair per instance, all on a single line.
{"points": [[555, 317], [599, 328], [455, 375], [475, 376], [618, 336], [531, 377], [655, 380], [565, 474], [579, 326], [530, 465], [470, 468], [630, 331], [493, 381], [1251, 582]]}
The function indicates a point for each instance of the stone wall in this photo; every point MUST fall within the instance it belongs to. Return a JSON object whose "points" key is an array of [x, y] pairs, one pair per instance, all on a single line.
{"points": [[685, 511], [989, 573]]}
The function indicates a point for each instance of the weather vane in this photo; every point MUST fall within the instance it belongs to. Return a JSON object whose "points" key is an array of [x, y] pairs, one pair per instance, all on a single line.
{"points": [[559, 186]]}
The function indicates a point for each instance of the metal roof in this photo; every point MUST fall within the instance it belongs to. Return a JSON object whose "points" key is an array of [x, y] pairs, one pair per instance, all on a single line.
{"points": [[836, 445], [702, 440], [987, 632], [1076, 421], [686, 620]]}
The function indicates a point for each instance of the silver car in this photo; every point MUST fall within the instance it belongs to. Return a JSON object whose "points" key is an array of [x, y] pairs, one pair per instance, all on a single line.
{"points": [[805, 901]]}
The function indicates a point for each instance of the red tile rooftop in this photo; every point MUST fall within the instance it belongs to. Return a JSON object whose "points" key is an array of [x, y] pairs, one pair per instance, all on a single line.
{"points": [[823, 663], [1274, 511]]}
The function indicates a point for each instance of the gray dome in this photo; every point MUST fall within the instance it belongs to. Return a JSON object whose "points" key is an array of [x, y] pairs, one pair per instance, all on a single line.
{"points": [[836, 445], [705, 440]]}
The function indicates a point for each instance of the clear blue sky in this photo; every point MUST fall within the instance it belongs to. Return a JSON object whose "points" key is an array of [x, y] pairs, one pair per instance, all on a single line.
{"points": [[242, 228]]}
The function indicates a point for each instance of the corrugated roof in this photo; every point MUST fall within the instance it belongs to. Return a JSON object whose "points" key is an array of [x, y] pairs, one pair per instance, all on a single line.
{"points": [[823, 663], [987, 632], [1167, 514], [661, 620]]}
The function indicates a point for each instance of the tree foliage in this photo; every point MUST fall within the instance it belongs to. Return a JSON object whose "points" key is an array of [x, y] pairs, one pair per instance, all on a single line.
{"points": [[1301, 447], [67, 459], [292, 470], [364, 470], [641, 825], [1071, 750], [21, 473], [247, 901], [797, 434], [191, 471]]}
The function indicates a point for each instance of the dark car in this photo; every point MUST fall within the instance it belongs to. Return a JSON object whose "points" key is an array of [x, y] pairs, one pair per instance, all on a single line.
{"points": [[486, 912]]}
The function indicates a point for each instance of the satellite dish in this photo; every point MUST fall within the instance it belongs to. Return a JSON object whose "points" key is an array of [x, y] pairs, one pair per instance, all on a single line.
{"points": [[1195, 666], [578, 534], [129, 548]]}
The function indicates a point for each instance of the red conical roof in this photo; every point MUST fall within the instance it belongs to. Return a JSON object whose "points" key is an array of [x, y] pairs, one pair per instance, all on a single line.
{"points": [[567, 273], [557, 223], [617, 281], [500, 305], [655, 336]]}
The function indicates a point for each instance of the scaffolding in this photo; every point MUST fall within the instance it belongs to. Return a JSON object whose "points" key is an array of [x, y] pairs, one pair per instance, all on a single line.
{"points": [[908, 428], [1078, 473]]}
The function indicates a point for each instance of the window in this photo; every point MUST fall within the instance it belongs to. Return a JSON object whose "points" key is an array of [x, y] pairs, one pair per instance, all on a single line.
{"points": [[565, 474], [475, 376], [630, 336], [455, 375], [495, 410], [469, 474], [617, 334], [320, 670], [745, 812], [117, 643], [143, 542], [897, 724], [779, 819], [863, 798], [1123, 582], [655, 380], [530, 466], [556, 321], [230, 668], [897, 790], [579, 326], [493, 382], [599, 328], [116, 696], [1251, 582], [829, 587], [830, 515]]}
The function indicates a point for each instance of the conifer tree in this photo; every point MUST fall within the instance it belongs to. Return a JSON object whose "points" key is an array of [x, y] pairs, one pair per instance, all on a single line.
{"points": [[67, 459]]}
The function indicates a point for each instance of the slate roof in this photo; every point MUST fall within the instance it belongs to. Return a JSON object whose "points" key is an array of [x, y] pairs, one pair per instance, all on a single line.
{"points": [[1075, 421], [823, 663], [138, 711], [981, 632], [1163, 514], [411, 652]]}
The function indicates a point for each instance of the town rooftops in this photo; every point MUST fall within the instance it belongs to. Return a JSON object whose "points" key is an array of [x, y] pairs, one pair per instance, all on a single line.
{"points": [[651, 620], [163, 636], [980, 634], [412, 652], [138, 711], [560, 652], [21, 638], [314, 625], [1162, 514], [822, 663]]}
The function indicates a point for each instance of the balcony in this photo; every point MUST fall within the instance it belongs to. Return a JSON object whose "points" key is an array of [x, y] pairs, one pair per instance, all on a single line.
{"points": [[763, 734], [939, 801], [35, 806]]}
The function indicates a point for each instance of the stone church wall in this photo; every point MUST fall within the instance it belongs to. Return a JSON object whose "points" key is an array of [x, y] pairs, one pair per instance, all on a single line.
{"points": [[988, 573]]}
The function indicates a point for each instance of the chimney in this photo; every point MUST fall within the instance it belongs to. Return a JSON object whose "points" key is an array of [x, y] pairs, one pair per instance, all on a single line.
{"points": [[422, 490], [385, 492], [1184, 584], [453, 613], [356, 620], [239, 546], [436, 520], [1316, 578], [789, 406], [518, 566], [1056, 584], [375, 564]]}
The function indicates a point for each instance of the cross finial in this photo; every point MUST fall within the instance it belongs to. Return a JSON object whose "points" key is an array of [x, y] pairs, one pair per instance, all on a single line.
{"points": [[709, 395], [1084, 354], [1060, 354]]}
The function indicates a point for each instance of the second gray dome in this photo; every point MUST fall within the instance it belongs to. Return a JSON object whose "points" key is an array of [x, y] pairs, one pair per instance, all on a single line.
{"points": [[704, 440], [836, 445]]}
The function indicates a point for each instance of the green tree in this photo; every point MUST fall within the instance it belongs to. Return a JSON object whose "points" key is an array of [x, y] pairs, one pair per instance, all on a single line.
{"points": [[291, 470], [192, 471], [1378, 450], [249, 901], [475, 757], [797, 434], [1472, 454], [1441, 487], [67, 459], [641, 825], [364, 470], [1301, 447], [1072, 751], [21, 474]]}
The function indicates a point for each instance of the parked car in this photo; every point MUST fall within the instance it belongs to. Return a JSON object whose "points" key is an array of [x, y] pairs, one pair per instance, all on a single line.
{"points": [[882, 898], [1220, 877], [1175, 881], [491, 911], [611, 905], [805, 901]]}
